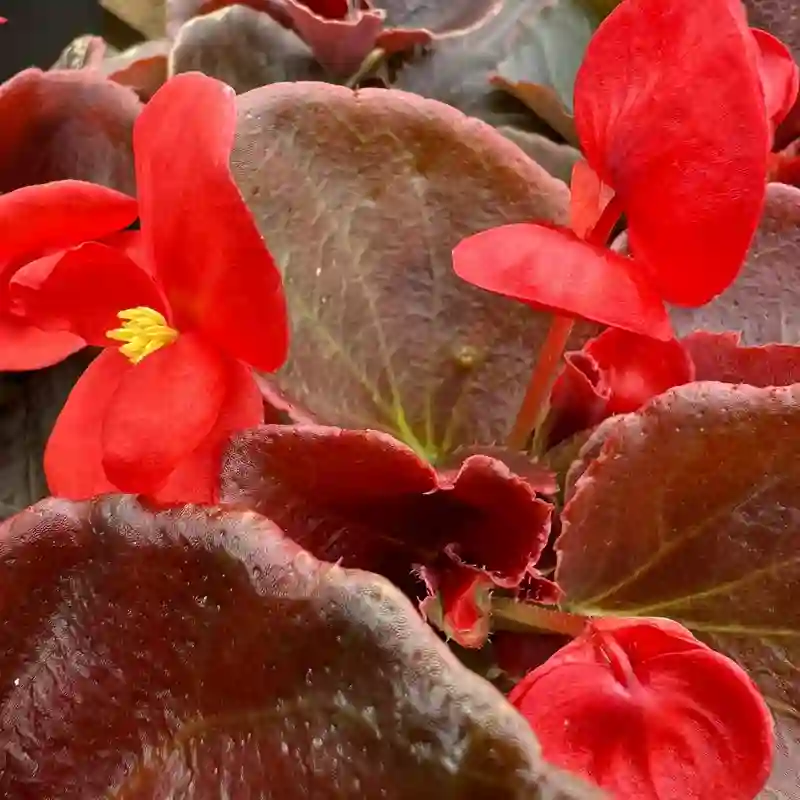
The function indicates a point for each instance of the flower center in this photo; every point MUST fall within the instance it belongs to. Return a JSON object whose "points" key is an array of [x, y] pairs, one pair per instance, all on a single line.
{"points": [[144, 331]]}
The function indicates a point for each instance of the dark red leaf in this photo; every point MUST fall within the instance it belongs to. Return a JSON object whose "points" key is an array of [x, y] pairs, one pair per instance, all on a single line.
{"points": [[592, 282], [720, 357], [764, 301], [647, 712], [361, 273], [368, 501], [692, 192], [223, 46], [196, 651], [690, 510], [66, 124]]}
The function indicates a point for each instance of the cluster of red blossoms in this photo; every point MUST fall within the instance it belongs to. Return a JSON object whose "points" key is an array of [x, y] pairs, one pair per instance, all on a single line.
{"points": [[186, 305]]}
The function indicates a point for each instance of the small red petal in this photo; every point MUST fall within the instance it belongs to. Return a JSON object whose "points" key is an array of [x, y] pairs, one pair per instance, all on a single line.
{"points": [[647, 712], [780, 76], [163, 409], [637, 368], [196, 478], [553, 269], [73, 456], [25, 347], [692, 189], [217, 273], [52, 216], [589, 197], [82, 290]]}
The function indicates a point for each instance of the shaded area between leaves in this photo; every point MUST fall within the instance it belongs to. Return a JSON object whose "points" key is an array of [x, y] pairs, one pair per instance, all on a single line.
{"points": [[361, 198], [196, 653], [29, 405]]}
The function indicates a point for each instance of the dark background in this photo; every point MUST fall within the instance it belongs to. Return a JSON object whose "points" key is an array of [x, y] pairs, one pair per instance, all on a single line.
{"points": [[38, 30]]}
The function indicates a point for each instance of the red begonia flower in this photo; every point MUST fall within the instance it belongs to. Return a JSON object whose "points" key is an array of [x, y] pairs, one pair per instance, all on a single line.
{"points": [[35, 220], [780, 77], [692, 185], [551, 268], [648, 712], [614, 373], [153, 411]]}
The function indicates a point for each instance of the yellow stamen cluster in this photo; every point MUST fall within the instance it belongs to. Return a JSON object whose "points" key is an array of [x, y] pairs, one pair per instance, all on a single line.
{"points": [[144, 331]]}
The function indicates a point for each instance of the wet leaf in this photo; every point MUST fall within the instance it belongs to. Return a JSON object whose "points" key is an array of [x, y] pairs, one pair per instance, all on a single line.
{"points": [[29, 405], [197, 653], [66, 124], [243, 48], [361, 198], [362, 499], [540, 69], [692, 511]]}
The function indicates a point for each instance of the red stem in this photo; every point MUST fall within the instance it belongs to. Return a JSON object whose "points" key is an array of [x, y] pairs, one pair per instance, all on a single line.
{"points": [[534, 406]]}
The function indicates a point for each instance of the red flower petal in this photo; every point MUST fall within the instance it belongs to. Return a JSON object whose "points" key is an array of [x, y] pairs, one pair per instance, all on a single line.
{"points": [[196, 478], [551, 268], [161, 412], [692, 187], [73, 458], [24, 347], [216, 271], [614, 373], [52, 216], [637, 368], [647, 712], [780, 76], [589, 198], [82, 290]]}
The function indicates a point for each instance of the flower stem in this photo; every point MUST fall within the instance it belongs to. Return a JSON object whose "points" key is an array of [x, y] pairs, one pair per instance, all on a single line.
{"points": [[511, 615], [370, 64], [534, 406]]}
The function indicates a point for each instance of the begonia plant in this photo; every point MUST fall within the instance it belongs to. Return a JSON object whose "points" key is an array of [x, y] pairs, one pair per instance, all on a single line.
{"points": [[396, 448]]}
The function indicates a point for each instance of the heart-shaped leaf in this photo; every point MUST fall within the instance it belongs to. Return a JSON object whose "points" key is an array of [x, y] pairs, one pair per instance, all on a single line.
{"points": [[200, 653], [66, 124], [764, 301], [691, 511], [244, 48], [361, 198], [362, 499]]}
